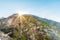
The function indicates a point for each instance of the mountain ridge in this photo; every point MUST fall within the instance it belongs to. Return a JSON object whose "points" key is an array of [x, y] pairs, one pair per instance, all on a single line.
{"points": [[42, 19], [23, 25]]}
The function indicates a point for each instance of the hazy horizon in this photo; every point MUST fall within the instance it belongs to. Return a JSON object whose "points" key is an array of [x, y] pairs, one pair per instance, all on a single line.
{"points": [[48, 9]]}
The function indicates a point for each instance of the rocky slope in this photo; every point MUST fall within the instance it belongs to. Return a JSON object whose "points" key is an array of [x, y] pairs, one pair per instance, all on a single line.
{"points": [[28, 27]]}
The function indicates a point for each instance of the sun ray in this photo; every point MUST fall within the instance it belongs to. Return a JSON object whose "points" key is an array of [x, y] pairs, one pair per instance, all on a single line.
{"points": [[18, 18]]}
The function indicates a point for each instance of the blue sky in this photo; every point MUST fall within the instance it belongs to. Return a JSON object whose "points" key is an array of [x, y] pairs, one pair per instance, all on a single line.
{"points": [[49, 9]]}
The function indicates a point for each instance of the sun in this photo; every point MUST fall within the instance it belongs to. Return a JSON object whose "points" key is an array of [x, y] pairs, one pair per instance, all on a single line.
{"points": [[20, 13]]}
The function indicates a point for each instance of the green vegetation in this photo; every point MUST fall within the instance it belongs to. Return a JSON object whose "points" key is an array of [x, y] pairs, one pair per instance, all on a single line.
{"points": [[29, 29]]}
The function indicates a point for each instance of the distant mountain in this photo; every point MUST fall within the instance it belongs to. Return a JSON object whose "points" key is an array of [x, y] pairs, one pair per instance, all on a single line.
{"points": [[51, 22], [30, 27]]}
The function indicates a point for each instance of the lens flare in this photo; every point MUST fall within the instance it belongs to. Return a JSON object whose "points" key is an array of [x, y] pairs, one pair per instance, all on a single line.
{"points": [[22, 12]]}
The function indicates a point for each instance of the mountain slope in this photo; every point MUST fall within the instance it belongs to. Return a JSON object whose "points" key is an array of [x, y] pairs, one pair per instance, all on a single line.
{"points": [[29, 27], [54, 28]]}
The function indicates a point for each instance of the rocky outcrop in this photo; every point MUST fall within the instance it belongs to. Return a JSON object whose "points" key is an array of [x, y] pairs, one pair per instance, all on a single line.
{"points": [[4, 36]]}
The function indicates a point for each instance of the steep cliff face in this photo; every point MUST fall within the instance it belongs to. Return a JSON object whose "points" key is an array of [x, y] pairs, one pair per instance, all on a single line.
{"points": [[25, 27]]}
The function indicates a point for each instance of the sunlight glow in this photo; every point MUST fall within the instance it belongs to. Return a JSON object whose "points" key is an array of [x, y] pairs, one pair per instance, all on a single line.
{"points": [[19, 18], [22, 12]]}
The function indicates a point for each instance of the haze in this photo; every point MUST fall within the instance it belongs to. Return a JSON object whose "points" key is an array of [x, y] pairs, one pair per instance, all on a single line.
{"points": [[49, 9]]}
